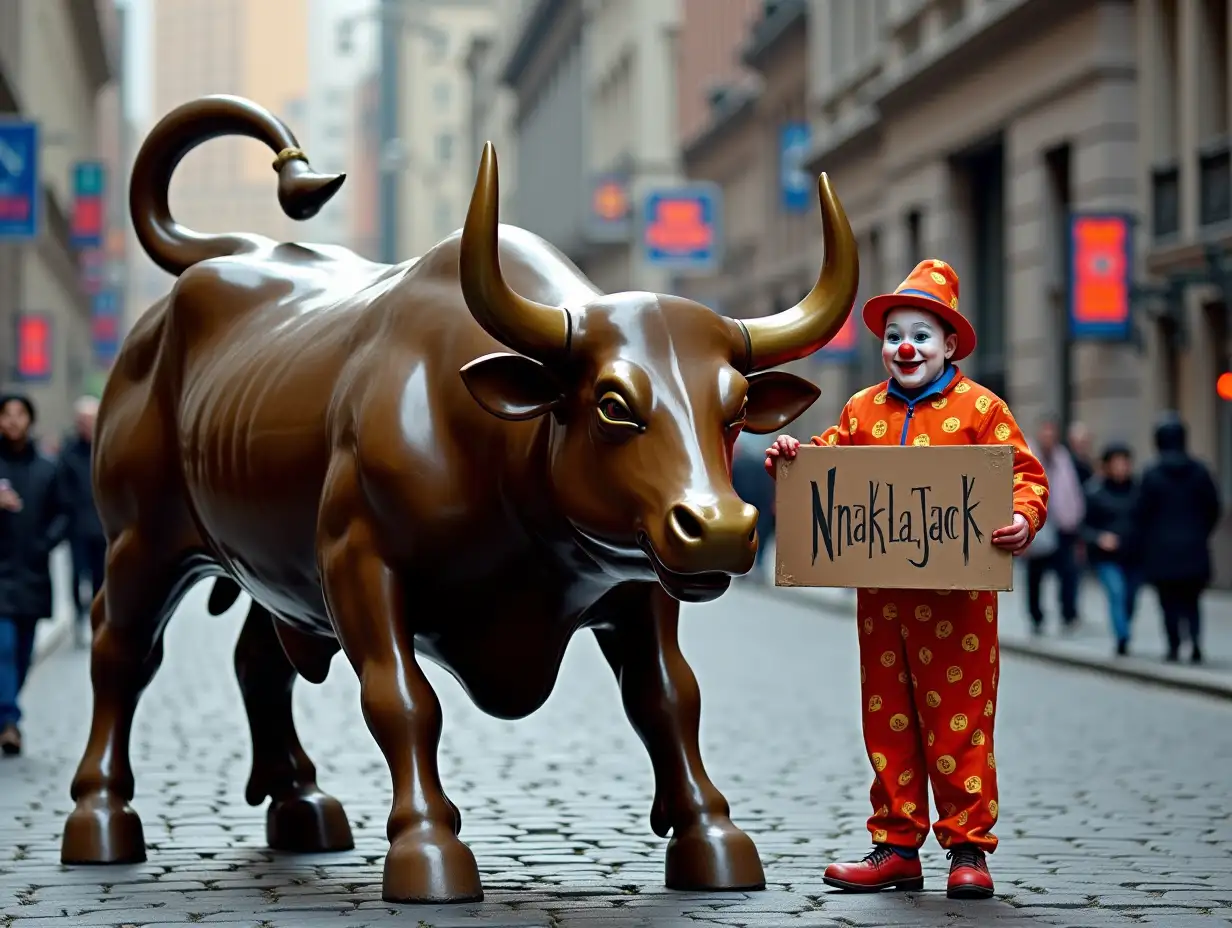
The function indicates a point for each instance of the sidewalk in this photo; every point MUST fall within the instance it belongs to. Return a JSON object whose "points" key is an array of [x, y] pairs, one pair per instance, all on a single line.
{"points": [[1090, 645]]}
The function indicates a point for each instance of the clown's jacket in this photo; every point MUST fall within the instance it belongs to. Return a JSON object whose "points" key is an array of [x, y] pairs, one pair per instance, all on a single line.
{"points": [[955, 410]]}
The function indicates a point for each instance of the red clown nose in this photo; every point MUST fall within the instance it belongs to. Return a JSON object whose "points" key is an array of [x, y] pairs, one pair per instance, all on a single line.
{"points": [[906, 352]]}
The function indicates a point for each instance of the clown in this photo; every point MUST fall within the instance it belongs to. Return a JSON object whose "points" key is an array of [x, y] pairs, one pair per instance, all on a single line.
{"points": [[929, 659]]}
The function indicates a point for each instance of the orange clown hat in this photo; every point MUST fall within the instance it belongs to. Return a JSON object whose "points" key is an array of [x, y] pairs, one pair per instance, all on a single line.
{"points": [[932, 287]]}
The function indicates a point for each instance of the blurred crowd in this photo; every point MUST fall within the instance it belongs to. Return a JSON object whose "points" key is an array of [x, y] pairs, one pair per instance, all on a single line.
{"points": [[1129, 529], [46, 499]]}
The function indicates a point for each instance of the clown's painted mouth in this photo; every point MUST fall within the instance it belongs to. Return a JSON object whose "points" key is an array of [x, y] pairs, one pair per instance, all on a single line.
{"points": [[909, 367]]}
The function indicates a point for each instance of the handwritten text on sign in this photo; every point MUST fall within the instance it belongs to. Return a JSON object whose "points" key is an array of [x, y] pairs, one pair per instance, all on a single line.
{"points": [[894, 518]]}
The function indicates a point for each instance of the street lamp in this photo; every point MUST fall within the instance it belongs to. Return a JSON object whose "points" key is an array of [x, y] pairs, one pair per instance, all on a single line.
{"points": [[393, 155]]}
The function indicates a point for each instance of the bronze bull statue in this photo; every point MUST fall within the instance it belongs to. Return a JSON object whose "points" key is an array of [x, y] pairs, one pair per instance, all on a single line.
{"points": [[467, 458]]}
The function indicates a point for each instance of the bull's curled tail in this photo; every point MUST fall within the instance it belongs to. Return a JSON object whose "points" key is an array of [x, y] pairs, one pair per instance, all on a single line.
{"points": [[174, 248]]}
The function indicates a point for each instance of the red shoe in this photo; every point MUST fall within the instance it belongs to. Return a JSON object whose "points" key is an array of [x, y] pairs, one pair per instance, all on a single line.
{"points": [[969, 876], [881, 869]]}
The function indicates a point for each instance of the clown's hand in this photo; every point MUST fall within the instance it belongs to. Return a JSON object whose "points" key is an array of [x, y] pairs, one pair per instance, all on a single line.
{"points": [[1013, 536]]}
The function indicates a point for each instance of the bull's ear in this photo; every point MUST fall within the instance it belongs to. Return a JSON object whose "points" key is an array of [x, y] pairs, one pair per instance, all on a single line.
{"points": [[775, 399], [511, 386]]}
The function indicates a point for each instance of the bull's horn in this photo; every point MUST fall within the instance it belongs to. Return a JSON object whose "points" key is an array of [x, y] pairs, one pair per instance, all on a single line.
{"points": [[530, 328], [797, 332]]}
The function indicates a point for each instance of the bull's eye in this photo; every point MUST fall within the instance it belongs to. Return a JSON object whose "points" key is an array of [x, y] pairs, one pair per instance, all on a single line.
{"points": [[615, 411]]}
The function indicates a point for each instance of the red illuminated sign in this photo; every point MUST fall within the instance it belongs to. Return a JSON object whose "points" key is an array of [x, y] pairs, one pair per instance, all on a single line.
{"points": [[1223, 386], [844, 342], [610, 201], [1101, 275], [681, 227], [34, 347]]}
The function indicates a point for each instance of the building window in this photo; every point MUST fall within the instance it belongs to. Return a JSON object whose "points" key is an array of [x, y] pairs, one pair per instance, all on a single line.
{"points": [[1215, 185], [444, 147], [951, 12], [440, 94], [1165, 200]]}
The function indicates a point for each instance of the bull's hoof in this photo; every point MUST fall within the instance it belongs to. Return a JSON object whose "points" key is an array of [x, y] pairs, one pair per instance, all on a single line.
{"points": [[308, 823], [713, 855], [431, 867], [102, 829]]}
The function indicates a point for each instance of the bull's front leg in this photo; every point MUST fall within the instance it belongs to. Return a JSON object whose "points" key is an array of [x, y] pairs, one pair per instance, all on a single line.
{"points": [[426, 861], [663, 702]]}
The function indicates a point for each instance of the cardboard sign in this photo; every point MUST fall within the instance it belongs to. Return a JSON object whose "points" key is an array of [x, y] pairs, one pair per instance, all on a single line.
{"points": [[894, 518]]}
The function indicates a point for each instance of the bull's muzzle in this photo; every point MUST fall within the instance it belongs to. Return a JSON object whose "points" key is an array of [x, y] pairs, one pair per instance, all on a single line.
{"points": [[706, 539]]}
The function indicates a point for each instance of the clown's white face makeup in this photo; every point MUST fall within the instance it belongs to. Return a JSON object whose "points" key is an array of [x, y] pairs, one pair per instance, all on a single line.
{"points": [[915, 347]]}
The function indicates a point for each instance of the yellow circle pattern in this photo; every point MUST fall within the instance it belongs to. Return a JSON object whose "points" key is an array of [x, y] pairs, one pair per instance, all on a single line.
{"points": [[879, 428], [926, 656], [874, 703], [951, 424], [1002, 431], [880, 398], [975, 688], [937, 277], [953, 673], [879, 761], [853, 425], [983, 404], [889, 611], [898, 722], [946, 764], [962, 387], [921, 441], [933, 698], [939, 403], [973, 784], [970, 643], [977, 737], [888, 658], [958, 722], [923, 612], [906, 777], [944, 629]]}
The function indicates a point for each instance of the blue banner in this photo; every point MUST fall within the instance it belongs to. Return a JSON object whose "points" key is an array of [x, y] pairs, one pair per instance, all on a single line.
{"points": [[87, 220], [682, 227], [19, 181], [795, 185], [105, 326]]}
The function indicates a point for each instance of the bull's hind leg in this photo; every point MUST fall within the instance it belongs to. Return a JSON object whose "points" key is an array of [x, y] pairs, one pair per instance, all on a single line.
{"points": [[662, 700], [128, 617], [300, 816]]}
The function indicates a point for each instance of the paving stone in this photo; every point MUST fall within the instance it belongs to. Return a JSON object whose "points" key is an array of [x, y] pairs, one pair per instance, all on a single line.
{"points": [[1115, 808]]}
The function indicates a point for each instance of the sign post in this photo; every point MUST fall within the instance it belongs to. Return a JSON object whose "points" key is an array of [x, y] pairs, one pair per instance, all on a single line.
{"points": [[682, 227], [894, 517], [1101, 250], [19, 181]]}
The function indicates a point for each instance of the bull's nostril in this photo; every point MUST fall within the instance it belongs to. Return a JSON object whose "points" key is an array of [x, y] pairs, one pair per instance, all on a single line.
{"points": [[687, 525], [753, 534]]}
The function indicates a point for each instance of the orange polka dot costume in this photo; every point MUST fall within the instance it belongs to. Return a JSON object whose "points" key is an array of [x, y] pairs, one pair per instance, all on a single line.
{"points": [[929, 660]]}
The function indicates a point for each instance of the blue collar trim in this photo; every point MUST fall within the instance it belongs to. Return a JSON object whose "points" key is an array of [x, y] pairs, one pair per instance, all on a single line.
{"points": [[936, 388]]}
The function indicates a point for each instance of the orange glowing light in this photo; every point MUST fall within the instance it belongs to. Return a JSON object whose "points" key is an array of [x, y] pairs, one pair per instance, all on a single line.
{"points": [[1223, 386]]}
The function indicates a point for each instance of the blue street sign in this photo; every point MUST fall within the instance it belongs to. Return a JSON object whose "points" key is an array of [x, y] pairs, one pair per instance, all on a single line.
{"points": [[795, 186], [682, 227], [87, 220], [19, 181], [105, 326]]}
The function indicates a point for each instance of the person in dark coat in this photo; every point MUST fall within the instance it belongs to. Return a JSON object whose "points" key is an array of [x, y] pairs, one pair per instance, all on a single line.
{"points": [[86, 539], [754, 486], [1178, 509], [33, 521], [1111, 537]]}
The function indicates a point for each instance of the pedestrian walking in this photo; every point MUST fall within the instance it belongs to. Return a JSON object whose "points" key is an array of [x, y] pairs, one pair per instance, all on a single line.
{"points": [[1178, 509], [1057, 551], [930, 708], [87, 544], [1112, 538], [1078, 440], [33, 522]]}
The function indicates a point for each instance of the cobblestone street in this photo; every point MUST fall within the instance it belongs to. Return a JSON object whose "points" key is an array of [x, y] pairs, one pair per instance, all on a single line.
{"points": [[1116, 798]]}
